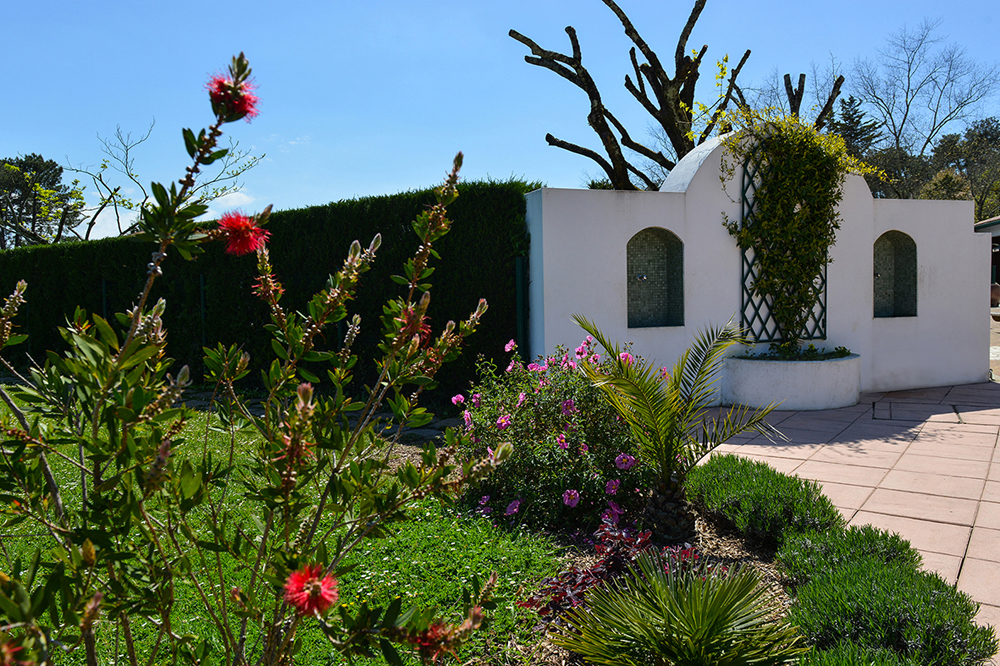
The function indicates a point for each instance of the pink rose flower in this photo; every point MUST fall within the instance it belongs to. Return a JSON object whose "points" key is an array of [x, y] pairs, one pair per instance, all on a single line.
{"points": [[571, 498], [510, 346], [512, 508], [612, 486], [504, 421], [457, 399]]}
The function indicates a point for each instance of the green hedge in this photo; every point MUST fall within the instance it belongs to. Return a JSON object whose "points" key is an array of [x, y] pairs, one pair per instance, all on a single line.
{"points": [[209, 300]]}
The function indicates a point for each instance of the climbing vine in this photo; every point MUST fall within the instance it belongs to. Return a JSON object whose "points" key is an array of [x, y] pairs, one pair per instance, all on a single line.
{"points": [[794, 220]]}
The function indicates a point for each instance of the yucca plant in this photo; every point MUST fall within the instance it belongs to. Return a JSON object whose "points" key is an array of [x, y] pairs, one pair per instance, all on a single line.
{"points": [[669, 417], [697, 617]]}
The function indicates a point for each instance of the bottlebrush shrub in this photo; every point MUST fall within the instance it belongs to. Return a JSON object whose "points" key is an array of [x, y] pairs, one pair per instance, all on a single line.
{"points": [[135, 519], [618, 548], [573, 460]]}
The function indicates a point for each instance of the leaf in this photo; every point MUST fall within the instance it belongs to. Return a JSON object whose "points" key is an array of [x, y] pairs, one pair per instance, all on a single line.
{"points": [[190, 143], [389, 652]]}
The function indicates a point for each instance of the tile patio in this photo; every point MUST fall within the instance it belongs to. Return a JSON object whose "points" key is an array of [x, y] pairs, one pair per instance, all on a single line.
{"points": [[923, 463]]}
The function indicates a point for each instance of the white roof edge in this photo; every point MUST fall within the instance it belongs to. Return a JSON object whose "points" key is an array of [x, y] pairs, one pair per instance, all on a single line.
{"points": [[683, 173]]}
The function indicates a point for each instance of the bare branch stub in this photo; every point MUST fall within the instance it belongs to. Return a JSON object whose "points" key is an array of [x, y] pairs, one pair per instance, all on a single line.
{"points": [[667, 98], [571, 68]]}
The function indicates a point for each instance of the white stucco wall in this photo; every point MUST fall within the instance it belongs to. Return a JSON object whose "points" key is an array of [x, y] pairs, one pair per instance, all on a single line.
{"points": [[578, 266]]}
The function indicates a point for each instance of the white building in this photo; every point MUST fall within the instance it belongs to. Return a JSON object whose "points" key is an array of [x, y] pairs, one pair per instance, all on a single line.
{"points": [[906, 289]]}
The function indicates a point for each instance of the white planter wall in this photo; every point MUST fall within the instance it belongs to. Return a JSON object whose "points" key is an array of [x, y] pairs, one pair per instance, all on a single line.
{"points": [[578, 266]]}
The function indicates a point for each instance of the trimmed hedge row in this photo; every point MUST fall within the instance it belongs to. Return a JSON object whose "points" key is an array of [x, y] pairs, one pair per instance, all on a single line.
{"points": [[209, 300]]}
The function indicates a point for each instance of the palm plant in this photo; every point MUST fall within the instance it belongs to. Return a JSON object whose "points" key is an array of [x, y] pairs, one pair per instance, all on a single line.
{"points": [[670, 418], [661, 616]]}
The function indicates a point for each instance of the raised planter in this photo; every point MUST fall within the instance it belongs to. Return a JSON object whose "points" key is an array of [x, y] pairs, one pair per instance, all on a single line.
{"points": [[797, 385]]}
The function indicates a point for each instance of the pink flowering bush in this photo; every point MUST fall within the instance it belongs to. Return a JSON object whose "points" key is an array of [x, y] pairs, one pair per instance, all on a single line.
{"points": [[131, 511], [566, 438]]}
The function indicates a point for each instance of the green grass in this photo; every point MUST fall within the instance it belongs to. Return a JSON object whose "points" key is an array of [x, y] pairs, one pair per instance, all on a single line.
{"points": [[428, 560]]}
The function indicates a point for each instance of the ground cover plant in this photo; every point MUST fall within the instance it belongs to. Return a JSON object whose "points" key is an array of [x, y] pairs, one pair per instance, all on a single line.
{"points": [[137, 511], [759, 501]]}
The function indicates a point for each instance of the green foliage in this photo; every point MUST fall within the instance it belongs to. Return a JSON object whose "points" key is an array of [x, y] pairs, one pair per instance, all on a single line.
{"points": [[211, 300], [694, 618], [565, 437], [806, 556], [947, 184], [758, 501], [798, 174], [668, 413], [431, 559], [35, 206], [893, 606], [849, 654]]}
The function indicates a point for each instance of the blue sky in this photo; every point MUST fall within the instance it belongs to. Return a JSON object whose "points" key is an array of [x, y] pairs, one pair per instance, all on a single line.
{"points": [[376, 97]]}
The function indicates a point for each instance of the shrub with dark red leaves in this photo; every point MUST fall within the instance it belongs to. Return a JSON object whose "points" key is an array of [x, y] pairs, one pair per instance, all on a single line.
{"points": [[618, 548]]}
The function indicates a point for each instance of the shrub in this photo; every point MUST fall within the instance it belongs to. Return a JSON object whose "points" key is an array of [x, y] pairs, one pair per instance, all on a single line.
{"points": [[693, 618], [893, 606], [573, 460], [618, 548], [849, 654], [804, 556], [759, 501]]}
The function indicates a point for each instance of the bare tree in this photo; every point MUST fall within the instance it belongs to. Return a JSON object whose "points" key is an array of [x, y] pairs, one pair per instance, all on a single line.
{"points": [[680, 124], [120, 158], [917, 87]]}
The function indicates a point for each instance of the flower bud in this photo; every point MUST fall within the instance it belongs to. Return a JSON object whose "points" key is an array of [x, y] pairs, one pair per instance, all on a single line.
{"points": [[88, 552]]}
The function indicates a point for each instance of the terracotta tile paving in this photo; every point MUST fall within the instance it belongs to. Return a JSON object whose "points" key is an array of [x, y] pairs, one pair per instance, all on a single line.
{"points": [[981, 579], [846, 496], [989, 515], [935, 484], [989, 615], [780, 450], [848, 455], [953, 449], [961, 428], [979, 415], [925, 507], [934, 465], [991, 493], [850, 474], [984, 544], [924, 535], [908, 462], [947, 566]]}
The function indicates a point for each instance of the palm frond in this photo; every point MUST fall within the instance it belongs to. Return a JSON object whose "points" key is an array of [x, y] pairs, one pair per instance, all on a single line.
{"points": [[660, 616]]}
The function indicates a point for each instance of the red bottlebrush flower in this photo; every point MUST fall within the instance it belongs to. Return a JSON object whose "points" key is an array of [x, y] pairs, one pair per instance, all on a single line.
{"points": [[242, 234], [411, 324], [231, 100], [8, 655], [309, 593]]}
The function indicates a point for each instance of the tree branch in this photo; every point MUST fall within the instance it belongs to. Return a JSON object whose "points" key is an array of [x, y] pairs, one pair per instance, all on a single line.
{"points": [[827, 110], [732, 88]]}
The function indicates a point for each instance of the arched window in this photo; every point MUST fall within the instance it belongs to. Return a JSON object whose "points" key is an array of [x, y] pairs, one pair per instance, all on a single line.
{"points": [[895, 265], [655, 263]]}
